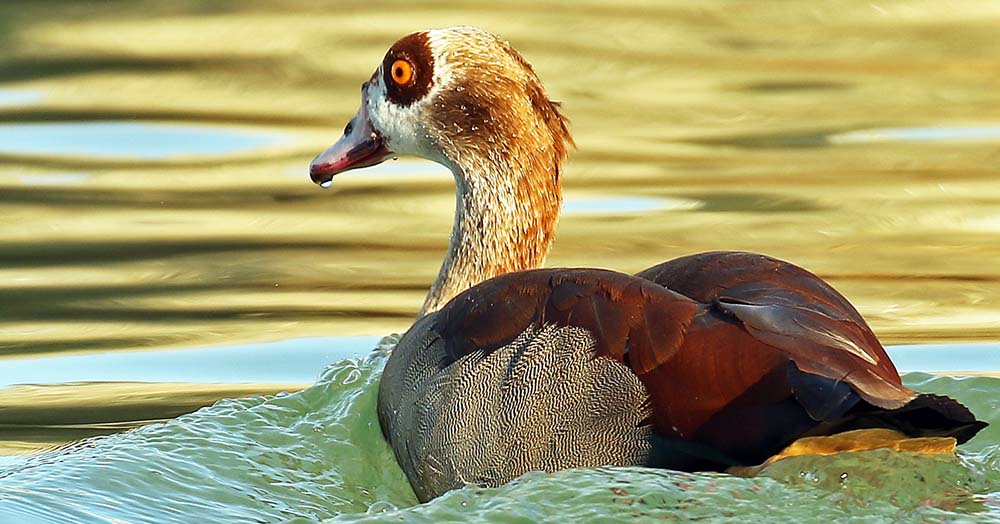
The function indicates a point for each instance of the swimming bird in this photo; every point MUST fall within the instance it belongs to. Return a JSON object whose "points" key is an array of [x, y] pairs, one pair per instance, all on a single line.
{"points": [[707, 362]]}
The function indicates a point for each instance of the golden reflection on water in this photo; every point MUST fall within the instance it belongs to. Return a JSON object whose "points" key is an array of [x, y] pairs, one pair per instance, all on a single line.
{"points": [[43, 416], [733, 113]]}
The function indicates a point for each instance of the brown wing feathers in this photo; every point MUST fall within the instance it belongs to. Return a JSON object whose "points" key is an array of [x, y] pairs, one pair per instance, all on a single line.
{"points": [[623, 313], [737, 351], [693, 361], [790, 309]]}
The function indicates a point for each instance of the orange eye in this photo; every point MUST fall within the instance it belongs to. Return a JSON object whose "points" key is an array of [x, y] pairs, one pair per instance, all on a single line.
{"points": [[402, 72]]}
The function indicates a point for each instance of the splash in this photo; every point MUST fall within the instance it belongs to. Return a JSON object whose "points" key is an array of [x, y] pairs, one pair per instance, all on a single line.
{"points": [[318, 456]]}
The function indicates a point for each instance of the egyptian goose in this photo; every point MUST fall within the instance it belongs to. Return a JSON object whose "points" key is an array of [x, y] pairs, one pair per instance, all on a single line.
{"points": [[706, 362]]}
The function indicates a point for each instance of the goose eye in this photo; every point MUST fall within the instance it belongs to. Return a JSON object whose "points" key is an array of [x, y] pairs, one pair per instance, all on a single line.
{"points": [[402, 72]]}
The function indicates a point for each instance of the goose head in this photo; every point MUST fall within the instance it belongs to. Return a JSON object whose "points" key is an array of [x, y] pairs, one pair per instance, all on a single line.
{"points": [[445, 94], [464, 98]]}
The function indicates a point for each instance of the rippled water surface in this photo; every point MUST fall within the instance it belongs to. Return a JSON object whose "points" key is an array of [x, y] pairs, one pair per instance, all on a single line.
{"points": [[127, 140], [162, 250]]}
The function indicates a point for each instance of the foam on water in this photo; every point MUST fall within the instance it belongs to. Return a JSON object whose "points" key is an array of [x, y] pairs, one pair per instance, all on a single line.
{"points": [[318, 455]]}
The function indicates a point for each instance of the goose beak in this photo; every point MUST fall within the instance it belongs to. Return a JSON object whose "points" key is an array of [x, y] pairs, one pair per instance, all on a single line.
{"points": [[361, 146]]}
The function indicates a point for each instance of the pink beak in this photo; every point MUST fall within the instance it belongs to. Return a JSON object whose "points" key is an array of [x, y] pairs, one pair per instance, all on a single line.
{"points": [[361, 146]]}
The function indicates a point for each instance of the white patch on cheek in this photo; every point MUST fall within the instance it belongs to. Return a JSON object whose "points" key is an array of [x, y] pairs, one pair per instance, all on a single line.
{"points": [[403, 128]]}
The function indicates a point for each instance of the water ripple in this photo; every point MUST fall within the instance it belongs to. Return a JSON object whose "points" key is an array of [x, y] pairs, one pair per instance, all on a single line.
{"points": [[318, 455], [143, 140]]}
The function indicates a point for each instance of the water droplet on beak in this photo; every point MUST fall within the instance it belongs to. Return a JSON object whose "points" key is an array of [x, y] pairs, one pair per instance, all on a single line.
{"points": [[326, 184]]}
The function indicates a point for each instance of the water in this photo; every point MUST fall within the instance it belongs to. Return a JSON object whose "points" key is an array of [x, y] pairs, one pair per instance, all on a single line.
{"points": [[318, 455], [142, 140], [19, 97], [311, 454], [171, 283], [296, 361], [622, 205], [982, 133], [55, 179], [287, 362]]}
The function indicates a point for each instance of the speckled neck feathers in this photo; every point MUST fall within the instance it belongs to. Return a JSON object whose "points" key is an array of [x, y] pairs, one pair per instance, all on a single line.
{"points": [[505, 142]]}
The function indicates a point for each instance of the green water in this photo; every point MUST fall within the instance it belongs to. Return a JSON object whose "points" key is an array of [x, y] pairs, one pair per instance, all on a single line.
{"points": [[318, 455]]}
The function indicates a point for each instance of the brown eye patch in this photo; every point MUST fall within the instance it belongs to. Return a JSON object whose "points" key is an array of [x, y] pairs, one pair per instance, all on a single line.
{"points": [[408, 69]]}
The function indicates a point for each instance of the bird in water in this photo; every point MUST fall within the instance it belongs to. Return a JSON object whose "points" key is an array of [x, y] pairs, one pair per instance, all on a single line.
{"points": [[707, 362]]}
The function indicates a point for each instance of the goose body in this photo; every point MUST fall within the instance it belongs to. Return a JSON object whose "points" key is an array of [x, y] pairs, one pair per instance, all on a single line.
{"points": [[705, 362]]}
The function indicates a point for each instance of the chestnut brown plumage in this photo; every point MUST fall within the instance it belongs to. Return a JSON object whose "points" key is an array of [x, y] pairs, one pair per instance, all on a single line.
{"points": [[738, 351], [704, 362]]}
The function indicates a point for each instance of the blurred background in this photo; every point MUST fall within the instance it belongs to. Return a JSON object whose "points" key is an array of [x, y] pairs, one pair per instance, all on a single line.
{"points": [[161, 245]]}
